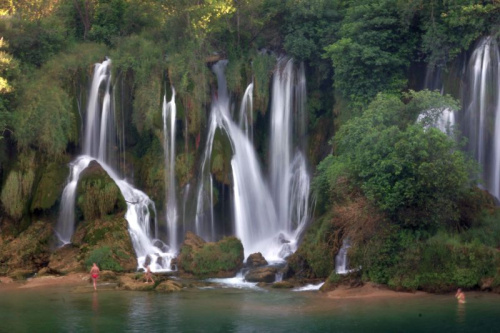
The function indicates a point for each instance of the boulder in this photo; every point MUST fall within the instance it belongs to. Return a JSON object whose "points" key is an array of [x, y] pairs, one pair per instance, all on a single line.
{"points": [[262, 274], [203, 260], [97, 194], [169, 286], [134, 282], [256, 260]]}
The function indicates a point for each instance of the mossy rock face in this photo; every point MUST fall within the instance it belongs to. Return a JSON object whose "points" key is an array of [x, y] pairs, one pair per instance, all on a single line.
{"points": [[66, 259], [103, 236], [106, 242], [50, 187], [97, 194], [29, 252], [315, 256], [203, 260]]}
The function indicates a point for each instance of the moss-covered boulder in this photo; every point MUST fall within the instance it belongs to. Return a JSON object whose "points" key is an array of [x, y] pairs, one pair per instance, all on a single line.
{"points": [[29, 252], [97, 194], [50, 186], [201, 259], [168, 286], [102, 236]]}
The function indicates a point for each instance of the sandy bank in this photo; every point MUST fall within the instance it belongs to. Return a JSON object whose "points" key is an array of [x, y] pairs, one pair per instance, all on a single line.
{"points": [[368, 291], [45, 281]]}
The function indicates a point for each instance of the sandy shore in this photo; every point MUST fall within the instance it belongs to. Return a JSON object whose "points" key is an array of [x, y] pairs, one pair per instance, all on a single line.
{"points": [[369, 290], [46, 281]]}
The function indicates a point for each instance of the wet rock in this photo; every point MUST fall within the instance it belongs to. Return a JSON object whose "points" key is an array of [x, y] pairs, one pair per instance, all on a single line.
{"points": [[169, 286], [285, 251], [282, 239], [256, 260], [262, 274], [132, 282], [282, 285], [162, 246]]}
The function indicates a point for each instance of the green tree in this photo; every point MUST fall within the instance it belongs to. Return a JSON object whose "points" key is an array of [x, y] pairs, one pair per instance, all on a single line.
{"points": [[413, 172], [374, 50]]}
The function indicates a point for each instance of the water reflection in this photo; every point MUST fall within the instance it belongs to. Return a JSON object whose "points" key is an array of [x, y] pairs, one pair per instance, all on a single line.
{"points": [[460, 314]]}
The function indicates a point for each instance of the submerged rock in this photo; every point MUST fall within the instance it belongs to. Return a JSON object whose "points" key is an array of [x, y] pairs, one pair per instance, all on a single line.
{"points": [[201, 259], [282, 285], [256, 260]]}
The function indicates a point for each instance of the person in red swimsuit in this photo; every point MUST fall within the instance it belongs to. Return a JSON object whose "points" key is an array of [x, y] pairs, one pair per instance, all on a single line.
{"points": [[94, 273]]}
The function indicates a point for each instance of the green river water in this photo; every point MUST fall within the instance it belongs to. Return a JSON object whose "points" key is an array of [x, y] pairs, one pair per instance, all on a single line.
{"points": [[240, 310]]}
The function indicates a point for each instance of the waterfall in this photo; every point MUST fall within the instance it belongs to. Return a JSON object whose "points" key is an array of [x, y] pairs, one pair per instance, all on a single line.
{"points": [[433, 81], [341, 262], [99, 137], [246, 112], [169, 112], [481, 123], [265, 220], [289, 179]]}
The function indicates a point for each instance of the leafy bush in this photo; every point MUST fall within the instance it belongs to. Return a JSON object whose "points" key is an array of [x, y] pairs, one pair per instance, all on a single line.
{"points": [[104, 258], [414, 173]]}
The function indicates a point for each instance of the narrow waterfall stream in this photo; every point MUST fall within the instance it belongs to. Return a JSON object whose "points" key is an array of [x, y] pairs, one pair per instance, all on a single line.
{"points": [[169, 113]]}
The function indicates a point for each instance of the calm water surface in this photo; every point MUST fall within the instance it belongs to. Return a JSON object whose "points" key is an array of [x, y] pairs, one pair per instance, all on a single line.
{"points": [[240, 310]]}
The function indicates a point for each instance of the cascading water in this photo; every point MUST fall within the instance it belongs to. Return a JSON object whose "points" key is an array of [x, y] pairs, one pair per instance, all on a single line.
{"points": [[481, 98], [341, 262], [289, 179], [246, 112], [169, 113], [264, 223], [433, 81], [99, 136]]}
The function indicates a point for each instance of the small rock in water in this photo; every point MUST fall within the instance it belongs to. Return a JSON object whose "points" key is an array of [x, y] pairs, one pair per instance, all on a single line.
{"points": [[262, 274], [285, 251], [162, 246]]}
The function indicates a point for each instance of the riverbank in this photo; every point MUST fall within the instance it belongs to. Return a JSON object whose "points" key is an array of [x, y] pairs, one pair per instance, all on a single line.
{"points": [[72, 279]]}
